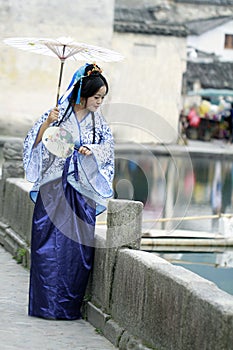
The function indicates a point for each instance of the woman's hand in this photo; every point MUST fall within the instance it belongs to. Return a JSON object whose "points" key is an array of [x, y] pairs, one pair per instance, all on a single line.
{"points": [[84, 150], [53, 116]]}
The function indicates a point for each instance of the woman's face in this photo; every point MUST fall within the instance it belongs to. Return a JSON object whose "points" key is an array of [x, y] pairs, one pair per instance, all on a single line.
{"points": [[94, 102]]}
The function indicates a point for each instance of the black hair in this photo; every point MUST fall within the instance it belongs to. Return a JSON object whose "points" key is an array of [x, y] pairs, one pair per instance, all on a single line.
{"points": [[90, 84]]}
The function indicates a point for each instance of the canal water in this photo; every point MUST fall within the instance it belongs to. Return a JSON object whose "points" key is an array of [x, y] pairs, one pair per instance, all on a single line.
{"points": [[181, 188], [178, 188]]}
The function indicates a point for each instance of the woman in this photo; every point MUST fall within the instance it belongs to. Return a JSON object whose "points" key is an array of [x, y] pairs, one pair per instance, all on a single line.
{"points": [[68, 194]]}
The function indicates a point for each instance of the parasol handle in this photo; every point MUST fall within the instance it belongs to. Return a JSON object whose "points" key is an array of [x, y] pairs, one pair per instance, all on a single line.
{"points": [[59, 81]]}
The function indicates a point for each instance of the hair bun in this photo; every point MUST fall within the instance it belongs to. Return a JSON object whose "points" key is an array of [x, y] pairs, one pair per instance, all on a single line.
{"points": [[93, 69]]}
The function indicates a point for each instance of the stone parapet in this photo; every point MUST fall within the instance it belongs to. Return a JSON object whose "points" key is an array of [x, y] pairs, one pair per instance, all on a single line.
{"points": [[168, 306], [16, 217], [160, 306], [18, 207]]}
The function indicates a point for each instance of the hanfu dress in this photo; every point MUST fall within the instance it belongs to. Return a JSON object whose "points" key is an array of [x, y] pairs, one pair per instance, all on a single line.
{"points": [[68, 194]]}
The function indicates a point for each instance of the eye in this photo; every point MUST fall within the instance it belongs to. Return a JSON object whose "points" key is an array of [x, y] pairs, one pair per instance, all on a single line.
{"points": [[98, 96]]}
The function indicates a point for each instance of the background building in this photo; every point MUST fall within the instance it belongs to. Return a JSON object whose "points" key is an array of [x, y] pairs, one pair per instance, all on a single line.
{"points": [[145, 95]]}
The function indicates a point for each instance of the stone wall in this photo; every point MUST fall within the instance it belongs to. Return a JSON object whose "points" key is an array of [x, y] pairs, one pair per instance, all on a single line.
{"points": [[15, 206]]}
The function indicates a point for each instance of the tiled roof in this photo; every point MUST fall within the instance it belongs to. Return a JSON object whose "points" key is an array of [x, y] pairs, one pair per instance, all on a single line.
{"points": [[200, 26], [142, 20], [217, 75]]}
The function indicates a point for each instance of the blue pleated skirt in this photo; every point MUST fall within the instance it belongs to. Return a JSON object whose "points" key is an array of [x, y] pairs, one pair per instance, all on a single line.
{"points": [[62, 251]]}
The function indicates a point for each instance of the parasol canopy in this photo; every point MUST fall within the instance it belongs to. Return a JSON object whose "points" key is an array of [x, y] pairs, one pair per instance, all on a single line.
{"points": [[64, 48]]}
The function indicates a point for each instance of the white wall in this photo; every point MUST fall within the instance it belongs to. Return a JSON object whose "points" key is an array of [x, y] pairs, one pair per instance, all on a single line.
{"points": [[28, 81], [213, 41], [147, 88]]}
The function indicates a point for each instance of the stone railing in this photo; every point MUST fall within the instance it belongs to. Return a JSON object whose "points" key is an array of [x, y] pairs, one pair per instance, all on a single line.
{"points": [[134, 298], [15, 206], [141, 301]]}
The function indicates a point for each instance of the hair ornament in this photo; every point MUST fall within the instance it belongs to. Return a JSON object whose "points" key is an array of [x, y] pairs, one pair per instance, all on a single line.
{"points": [[94, 69], [79, 74], [79, 91]]}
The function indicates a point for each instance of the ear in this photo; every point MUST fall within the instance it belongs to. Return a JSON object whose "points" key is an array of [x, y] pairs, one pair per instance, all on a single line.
{"points": [[83, 102]]}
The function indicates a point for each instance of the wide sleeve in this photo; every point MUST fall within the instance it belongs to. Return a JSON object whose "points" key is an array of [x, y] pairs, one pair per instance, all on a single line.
{"points": [[95, 172], [32, 156], [103, 153]]}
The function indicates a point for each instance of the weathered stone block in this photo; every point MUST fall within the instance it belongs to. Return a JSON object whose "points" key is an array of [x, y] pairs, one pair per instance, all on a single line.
{"points": [[18, 207], [102, 276], [13, 168], [13, 159], [135, 344], [96, 317], [125, 337], [113, 332], [3, 228], [127, 342], [1, 197], [12, 242], [13, 149], [124, 223]]}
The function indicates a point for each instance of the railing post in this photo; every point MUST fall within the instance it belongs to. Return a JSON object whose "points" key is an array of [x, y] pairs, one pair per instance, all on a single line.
{"points": [[124, 224], [124, 229]]}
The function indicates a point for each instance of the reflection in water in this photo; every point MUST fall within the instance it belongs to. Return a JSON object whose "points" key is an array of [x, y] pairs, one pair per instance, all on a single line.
{"points": [[176, 187], [214, 177], [134, 185], [141, 178], [216, 193]]}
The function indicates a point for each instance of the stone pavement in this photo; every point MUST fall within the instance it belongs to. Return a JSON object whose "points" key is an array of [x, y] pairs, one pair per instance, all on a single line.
{"points": [[19, 331]]}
